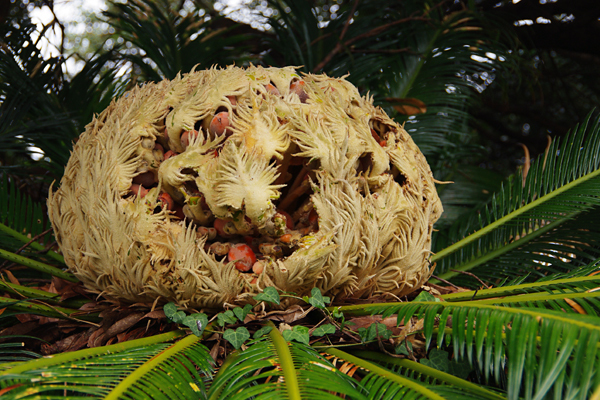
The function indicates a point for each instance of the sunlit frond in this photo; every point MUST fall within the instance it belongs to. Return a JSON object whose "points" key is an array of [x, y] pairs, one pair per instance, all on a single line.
{"points": [[543, 352], [545, 225], [150, 368], [275, 369]]}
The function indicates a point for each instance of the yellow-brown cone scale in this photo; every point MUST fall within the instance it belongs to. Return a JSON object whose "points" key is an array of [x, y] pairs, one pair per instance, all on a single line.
{"points": [[208, 188]]}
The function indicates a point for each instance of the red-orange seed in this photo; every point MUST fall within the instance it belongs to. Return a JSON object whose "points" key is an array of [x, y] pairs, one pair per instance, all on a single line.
{"points": [[167, 200], [219, 225], [138, 189], [289, 222], [170, 154], [272, 89], [219, 123], [186, 136], [243, 256]]}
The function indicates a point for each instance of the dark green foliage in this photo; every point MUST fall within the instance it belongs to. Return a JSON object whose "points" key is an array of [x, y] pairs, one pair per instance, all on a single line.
{"points": [[537, 225], [168, 42], [528, 244]]}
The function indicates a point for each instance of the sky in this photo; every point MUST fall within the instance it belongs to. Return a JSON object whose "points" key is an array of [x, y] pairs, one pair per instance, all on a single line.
{"points": [[71, 13]]}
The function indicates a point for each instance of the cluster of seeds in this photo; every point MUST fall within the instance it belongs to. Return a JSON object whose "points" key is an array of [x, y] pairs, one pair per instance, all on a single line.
{"points": [[235, 240]]}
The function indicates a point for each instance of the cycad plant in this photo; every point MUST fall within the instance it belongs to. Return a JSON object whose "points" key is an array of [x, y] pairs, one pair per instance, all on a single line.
{"points": [[510, 312], [536, 339]]}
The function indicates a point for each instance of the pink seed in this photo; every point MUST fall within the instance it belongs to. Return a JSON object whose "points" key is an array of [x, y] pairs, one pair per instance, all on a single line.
{"points": [[167, 200], [258, 267], [210, 233], [186, 136], [272, 89], [169, 154], [219, 225], [138, 190], [219, 123]]}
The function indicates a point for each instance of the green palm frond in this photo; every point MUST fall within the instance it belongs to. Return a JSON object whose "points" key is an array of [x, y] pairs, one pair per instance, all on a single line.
{"points": [[545, 352], [168, 42], [27, 292], [437, 71], [15, 352], [21, 219], [298, 39], [545, 223], [93, 88], [272, 368], [387, 377], [580, 280], [472, 187], [18, 211], [150, 368], [40, 106], [30, 112], [37, 265], [37, 306], [578, 295], [436, 380]]}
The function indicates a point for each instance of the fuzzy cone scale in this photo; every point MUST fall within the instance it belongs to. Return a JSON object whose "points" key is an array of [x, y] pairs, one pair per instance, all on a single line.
{"points": [[324, 188]]}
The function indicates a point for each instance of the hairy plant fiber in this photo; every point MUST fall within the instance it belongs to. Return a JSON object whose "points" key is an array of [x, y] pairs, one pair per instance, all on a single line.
{"points": [[324, 188]]}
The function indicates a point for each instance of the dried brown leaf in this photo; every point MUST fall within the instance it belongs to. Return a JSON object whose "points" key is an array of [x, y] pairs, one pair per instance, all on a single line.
{"points": [[11, 277], [123, 324], [70, 343], [407, 106], [96, 338], [156, 314]]}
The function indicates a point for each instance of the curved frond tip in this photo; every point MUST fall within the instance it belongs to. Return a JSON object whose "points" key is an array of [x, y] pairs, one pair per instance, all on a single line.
{"points": [[540, 225]]}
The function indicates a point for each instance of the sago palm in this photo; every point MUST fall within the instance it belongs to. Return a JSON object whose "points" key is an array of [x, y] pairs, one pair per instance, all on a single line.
{"points": [[511, 311]]}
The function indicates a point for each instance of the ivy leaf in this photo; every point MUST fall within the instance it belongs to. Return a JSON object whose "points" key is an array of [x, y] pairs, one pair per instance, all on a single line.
{"points": [[196, 322], [226, 317], [170, 310], [299, 333], [269, 294], [171, 313], [324, 329], [317, 299], [373, 331], [425, 296], [262, 331], [438, 359], [237, 337], [404, 348], [242, 312]]}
